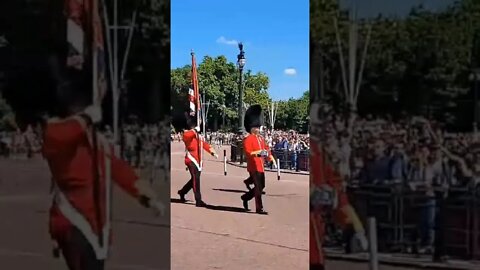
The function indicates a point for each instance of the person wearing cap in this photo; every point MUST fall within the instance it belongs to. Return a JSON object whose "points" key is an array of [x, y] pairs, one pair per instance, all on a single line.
{"points": [[193, 155], [256, 150]]}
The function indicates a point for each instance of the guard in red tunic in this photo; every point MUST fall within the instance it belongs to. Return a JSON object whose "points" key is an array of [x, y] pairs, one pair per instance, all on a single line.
{"points": [[256, 151], [327, 195], [194, 146], [83, 166]]}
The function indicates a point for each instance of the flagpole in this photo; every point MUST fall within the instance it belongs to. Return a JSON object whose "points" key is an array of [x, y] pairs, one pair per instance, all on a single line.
{"points": [[197, 105], [96, 101], [115, 70]]}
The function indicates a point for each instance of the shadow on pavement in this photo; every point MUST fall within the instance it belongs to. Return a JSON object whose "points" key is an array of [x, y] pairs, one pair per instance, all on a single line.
{"points": [[232, 190], [142, 223], [227, 209], [175, 200]]}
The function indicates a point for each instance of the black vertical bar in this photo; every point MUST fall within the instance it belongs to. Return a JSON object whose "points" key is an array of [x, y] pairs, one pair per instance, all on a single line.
{"points": [[96, 174]]}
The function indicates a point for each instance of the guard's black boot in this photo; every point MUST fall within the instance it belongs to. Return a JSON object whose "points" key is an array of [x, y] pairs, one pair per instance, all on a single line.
{"points": [[201, 204], [245, 204], [182, 196], [348, 234], [261, 212]]}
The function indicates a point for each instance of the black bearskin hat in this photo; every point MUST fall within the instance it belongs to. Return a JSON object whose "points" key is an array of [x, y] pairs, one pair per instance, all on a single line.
{"points": [[37, 82], [183, 119], [45, 89], [253, 117]]}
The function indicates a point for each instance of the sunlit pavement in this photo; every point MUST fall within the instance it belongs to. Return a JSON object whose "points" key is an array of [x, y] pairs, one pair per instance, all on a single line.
{"points": [[225, 237], [140, 240]]}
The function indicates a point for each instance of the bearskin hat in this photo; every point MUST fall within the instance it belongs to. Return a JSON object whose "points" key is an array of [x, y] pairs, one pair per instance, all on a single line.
{"points": [[253, 117], [183, 119], [35, 91]]}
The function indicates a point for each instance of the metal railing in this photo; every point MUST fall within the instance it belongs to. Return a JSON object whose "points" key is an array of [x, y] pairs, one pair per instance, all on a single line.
{"points": [[398, 210], [289, 160]]}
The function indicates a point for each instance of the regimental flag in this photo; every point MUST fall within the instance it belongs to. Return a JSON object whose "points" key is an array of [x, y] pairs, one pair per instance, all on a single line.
{"points": [[194, 93], [86, 54], [194, 99], [86, 42]]}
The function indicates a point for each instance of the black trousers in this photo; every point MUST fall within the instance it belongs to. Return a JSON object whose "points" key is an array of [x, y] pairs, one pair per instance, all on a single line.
{"points": [[249, 181], [194, 183], [78, 253], [259, 184], [317, 267]]}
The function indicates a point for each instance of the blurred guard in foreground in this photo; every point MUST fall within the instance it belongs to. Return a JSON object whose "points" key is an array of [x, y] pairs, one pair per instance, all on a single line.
{"points": [[194, 143], [82, 167], [256, 150], [327, 196]]}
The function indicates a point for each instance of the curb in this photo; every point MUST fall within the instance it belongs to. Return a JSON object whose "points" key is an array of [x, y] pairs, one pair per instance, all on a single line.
{"points": [[268, 169], [399, 262]]}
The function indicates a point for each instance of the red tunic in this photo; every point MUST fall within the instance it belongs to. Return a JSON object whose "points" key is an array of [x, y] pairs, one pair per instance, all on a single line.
{"points": [[193, 152], [251, 144], [323, 173], [68, 151]]}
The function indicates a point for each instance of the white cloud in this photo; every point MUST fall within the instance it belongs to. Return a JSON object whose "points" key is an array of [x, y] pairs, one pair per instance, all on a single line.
{"points": [[290, 71], [223, 40]]}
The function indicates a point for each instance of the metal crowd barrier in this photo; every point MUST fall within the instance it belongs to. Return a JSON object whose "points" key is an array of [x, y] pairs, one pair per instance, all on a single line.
{"points": [[398, 211], [287, 159]]}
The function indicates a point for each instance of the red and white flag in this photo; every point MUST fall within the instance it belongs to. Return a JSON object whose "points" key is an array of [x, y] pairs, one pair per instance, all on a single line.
{"points": [[194, 93], [86, 42], [194, 100]]}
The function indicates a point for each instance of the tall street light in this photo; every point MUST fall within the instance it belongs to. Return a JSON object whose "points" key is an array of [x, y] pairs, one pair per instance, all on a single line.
{"points": [[475, 77], [241, 63]]}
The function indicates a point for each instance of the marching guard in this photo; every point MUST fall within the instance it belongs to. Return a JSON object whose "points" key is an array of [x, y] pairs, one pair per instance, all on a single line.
{"points": [[327, 194], [256, 151], [82, 163], [194, 143]]}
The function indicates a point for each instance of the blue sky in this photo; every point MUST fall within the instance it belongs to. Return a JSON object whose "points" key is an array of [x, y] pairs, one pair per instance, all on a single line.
{"points": [[275, 36], [369, 8]]}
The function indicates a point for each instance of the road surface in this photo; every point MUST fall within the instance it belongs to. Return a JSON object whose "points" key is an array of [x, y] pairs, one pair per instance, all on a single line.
{"points": [[228, 238], [140, 241]]}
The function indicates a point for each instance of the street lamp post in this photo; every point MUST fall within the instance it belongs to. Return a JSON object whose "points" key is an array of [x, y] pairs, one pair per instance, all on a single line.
{"points": [[241, 63], [475, 77]]}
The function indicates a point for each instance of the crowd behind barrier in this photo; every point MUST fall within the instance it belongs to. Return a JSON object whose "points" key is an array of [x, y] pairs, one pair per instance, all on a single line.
{"points": [[144, 146], [289, 147], [418, 180]]}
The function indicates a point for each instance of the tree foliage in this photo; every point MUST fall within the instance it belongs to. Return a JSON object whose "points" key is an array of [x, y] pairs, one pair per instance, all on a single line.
{"points": [[418, 63], [218, 81]]}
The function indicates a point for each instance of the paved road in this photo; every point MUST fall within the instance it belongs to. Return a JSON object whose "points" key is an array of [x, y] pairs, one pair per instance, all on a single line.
{"points": [[233, 240], [140, 241], [342, 265]]}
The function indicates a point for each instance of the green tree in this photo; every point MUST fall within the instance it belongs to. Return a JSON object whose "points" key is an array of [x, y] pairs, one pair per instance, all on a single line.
{"points": [[218, 81]]}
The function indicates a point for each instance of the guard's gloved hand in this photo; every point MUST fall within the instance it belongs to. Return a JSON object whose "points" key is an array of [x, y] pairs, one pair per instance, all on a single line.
{"points": [[157, 207], [274, 163], [213, 153], [94, 112]]}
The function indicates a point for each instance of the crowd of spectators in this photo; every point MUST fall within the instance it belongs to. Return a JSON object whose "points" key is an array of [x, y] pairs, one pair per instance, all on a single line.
{"points": [[418, 153]]}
